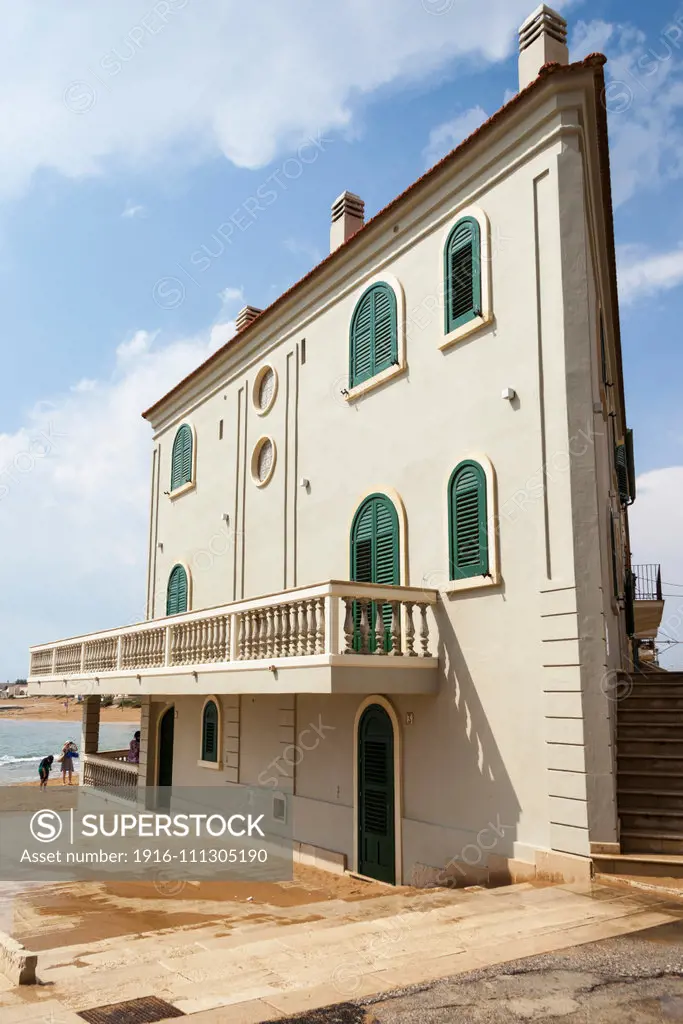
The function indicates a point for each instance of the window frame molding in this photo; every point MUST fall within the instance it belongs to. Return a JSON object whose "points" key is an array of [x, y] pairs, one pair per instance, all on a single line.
{"points": [[477, 322], [258, 380], [253, 465], [216, 765], [401, 365], [190, 484], [188, 577], [492, 521]]}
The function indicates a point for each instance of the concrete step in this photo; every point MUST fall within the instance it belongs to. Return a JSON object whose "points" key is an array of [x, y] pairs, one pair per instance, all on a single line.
{"points": [[645, 841], [652, 798], [647, 819], [645, 865], [641, 716], [637, 701], [667, 764], [657, 746], [652, 690], [650, 731], [643, 778]]}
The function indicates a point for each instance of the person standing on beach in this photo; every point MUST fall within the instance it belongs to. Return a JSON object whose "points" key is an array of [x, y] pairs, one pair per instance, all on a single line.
{"points": [[44, 770], [134, 749], [68, 751]]}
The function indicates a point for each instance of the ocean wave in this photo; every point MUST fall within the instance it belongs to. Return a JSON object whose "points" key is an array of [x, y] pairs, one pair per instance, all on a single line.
{"points": [[8, 759]]}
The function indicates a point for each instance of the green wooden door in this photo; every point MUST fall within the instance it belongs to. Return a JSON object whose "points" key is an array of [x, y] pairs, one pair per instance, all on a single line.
{"points": [[375, 554], [376, 838], [165, 769]]}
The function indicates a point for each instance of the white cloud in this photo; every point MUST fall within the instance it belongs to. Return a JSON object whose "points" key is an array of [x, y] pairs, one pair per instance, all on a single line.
{"points": [[74, 497], [229, 295], [644, 100], [88, 85], [655, 527], [297, 248], [132, 209], [644, 274], [447, 136]]}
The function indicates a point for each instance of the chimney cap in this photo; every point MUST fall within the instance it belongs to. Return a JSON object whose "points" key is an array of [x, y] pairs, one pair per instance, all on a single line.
{"points": [[348, 203], [246, 316], [543, 19]]}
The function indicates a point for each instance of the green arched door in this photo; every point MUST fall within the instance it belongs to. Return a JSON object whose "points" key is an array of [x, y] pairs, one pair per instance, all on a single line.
{"points": [[376, 798], [375, 552]]}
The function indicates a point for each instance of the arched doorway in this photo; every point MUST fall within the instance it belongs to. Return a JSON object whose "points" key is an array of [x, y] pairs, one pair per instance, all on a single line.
{"points": [[375, 555], [165, 758], [376, 795]]}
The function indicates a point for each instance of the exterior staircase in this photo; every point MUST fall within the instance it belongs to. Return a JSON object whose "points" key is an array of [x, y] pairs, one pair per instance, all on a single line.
{"points": [[650, 778]]}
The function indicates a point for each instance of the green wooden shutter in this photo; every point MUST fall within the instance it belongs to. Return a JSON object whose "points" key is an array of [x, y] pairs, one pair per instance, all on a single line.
{"points": [[468, 522], [176, 594], [374, 337], [181, 458], [462, 274], [384, 340], [361, 341], [630, 465], [621, 464], [210, 733], [629, 599], [375, 553]]}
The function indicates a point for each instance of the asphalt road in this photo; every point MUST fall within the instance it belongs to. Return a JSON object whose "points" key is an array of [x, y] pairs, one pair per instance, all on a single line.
{"points": [[633, 979]]}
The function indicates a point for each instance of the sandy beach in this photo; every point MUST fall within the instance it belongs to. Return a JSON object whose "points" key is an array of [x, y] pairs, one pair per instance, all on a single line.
{"points": [[51, 709]]}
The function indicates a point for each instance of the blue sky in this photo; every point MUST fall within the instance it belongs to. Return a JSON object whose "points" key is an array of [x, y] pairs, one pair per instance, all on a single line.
{"points": [[130, 136]]}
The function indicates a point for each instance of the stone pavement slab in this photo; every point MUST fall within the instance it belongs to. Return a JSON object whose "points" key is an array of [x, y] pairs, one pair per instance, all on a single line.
{"points": [[262, 970]]}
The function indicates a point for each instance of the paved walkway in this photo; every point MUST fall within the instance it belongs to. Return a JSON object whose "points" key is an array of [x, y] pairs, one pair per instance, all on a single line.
{"points": [[308, 957]]}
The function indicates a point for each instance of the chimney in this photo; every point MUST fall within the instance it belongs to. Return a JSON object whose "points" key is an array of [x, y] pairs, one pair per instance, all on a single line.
{"points": [[348, 216], [246, 316], [542, 40]]}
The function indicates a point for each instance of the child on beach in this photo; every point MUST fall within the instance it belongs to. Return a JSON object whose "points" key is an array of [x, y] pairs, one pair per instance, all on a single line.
{"points": [[69, 751], [44, 770]]}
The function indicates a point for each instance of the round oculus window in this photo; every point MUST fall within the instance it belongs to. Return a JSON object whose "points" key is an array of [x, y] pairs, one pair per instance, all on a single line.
{"points": [[263, 461], [265, 389]]}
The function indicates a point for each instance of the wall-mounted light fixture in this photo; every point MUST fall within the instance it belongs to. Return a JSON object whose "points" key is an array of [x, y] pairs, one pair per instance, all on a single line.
{"points": [[508, 394], [226, 518]]}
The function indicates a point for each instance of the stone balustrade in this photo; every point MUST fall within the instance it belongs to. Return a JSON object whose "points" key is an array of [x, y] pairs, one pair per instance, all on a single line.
{"points": [[109, 771], [310, 624]]}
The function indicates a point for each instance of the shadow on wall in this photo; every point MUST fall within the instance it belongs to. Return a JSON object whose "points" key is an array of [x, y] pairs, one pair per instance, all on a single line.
{"points": [[475, 796]]}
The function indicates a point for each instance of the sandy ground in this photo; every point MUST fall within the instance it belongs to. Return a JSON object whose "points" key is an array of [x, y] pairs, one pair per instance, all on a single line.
{"points": [[51, 709]]}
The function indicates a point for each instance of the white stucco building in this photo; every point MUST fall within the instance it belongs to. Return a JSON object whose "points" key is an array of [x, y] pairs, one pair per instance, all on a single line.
{"points": [[431, 420]]}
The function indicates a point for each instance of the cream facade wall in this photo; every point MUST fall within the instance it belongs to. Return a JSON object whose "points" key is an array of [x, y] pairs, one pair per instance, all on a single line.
{"points": [[520, 731]]}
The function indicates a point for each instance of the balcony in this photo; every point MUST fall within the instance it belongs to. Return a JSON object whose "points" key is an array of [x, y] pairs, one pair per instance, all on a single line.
{"points": [[111, 772], [648, 605], [321, 639]]}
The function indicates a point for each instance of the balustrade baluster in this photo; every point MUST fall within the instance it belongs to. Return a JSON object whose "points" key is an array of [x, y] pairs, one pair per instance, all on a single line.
{"points": [[364, 626], [410, 630], [396, 651], [302, 628], [349, 626], [378, 631], [268, 615], [310, 627], [277, 637], [293, 629], [320, 626], [424, 631]]}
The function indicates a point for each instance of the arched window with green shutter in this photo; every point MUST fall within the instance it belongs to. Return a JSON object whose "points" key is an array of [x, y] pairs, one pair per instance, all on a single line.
{"points": [[467, 517], [176, 593], [210, 732], [462, 273], [374, 336], [375, 555], [181, 458]]}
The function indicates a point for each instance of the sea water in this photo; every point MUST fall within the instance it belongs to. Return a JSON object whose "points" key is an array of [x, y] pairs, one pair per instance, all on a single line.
{"points": [[23, 745]]}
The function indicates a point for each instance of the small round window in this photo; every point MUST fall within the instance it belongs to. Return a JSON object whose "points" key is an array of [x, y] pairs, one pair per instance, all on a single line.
{"points": [[265, 389], [263, 461]]}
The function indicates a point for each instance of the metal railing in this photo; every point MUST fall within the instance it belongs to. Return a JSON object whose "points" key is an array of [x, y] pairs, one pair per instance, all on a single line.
{"points": [[648, 582], [307, 622]]}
